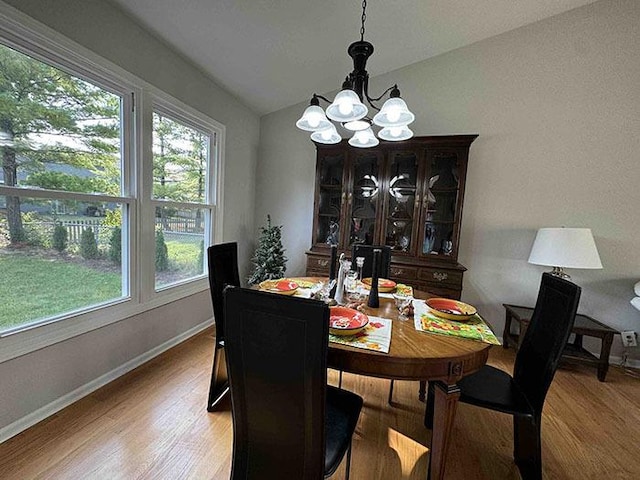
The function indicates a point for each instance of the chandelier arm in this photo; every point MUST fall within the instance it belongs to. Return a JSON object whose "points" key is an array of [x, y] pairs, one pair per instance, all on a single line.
{"points": [[380, 97], [322, 98]]}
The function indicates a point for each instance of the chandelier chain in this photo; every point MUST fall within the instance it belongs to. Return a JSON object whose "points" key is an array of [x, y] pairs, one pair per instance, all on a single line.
{"points": [[364, 17]]}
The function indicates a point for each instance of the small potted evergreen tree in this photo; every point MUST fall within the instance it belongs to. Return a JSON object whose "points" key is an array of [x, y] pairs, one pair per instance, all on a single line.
{"points": [[269, 260]]}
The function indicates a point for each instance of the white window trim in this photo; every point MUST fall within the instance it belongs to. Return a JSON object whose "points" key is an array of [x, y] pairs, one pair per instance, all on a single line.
{"points": [[25, 33]]}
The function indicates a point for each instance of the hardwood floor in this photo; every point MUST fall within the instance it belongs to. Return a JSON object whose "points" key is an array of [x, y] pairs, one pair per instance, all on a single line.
{"points": [[152, 424]]}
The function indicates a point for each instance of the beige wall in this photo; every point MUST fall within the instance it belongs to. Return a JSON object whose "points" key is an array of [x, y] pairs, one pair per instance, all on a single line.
{"points": [[557, 108], [33, 381]]}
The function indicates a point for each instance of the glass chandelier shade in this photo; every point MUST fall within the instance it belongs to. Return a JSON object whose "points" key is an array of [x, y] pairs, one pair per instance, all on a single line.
{"points": [[313, 119], [357, 125], [347, 107], [364, 139], [349, 110], [328, 136], [394, 113], [395, 134]]}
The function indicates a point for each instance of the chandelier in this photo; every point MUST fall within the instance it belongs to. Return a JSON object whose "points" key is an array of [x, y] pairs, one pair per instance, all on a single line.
{"points": [[349, 110]]}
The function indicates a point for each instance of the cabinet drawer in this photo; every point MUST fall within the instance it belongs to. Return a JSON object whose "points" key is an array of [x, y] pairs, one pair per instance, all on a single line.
{"points": [[402, 272], [318, 264], [437, 276], [441, 291]]}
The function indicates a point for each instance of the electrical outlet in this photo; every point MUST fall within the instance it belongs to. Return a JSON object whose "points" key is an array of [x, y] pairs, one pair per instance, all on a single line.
{"points": [[629, 338]]}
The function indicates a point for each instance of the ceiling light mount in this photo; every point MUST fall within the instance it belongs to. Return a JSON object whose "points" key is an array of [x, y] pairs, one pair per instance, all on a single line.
{"points": [[348, 107]]}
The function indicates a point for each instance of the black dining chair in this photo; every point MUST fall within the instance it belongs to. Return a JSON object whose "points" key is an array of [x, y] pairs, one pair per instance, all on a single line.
{"points": [[287, 423], [522, 395], [223, 271], [366, 251]]}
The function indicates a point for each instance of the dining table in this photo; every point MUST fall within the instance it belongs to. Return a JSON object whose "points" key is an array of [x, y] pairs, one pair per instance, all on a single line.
{"points": [[415, 355]]}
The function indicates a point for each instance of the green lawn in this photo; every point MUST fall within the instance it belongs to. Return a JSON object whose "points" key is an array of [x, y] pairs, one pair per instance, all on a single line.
{"points": [[183, 255], [34, 288]]}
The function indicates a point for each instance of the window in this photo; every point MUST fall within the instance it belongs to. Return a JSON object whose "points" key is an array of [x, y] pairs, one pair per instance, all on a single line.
{"points": [[79, 205], [63, 204], [182, 198]]}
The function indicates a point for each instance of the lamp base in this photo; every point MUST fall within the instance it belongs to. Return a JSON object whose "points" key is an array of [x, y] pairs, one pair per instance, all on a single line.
{"points": [[559, 272]]}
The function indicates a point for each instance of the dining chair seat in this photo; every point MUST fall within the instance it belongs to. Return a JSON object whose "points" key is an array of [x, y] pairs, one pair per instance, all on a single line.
{"points": [[341, 416], [496, 390]]}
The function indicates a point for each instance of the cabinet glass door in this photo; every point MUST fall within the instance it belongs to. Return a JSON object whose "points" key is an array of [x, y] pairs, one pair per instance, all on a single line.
{"points": [[330, 180], [441, 206], [364, 198], [401, 198]]}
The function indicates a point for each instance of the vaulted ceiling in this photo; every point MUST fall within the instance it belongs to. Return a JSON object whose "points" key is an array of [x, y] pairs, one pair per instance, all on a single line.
{"points": [[275, 53]]}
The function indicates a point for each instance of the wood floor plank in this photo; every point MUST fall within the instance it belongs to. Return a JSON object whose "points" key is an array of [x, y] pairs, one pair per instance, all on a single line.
{"points": [[152, 424]]}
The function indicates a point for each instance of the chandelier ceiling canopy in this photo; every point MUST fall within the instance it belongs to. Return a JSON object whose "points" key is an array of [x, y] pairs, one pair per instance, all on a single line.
{"points": [[349, 110]]}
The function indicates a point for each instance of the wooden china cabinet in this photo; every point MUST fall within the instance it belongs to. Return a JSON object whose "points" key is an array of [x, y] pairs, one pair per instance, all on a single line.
{"points": [[406, 195]]}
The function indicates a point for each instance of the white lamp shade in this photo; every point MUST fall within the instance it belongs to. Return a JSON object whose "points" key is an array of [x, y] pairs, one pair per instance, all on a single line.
{"points": [[328, 135], [346, 107], [313, 119], [394, 113], [364, 139], [565, 247], [395, 134]]}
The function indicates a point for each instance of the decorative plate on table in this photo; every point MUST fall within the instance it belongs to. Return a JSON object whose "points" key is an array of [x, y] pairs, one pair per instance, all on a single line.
{"points": [[346, 321], [451, 309], [303, 283], [282, 286], [384, 285]]}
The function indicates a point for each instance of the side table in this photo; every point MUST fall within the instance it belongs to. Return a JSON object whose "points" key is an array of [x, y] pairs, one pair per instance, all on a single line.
{"points": [[574, 351]]}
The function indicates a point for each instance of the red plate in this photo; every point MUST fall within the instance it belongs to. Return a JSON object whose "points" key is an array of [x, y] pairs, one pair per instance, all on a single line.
{"points": [[346, 321], [451, 309], [384, 284], [283, 286]]}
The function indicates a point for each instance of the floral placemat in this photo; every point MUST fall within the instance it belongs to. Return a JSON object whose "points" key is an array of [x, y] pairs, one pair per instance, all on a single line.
{"points": [[475, 328], [375, 336]]}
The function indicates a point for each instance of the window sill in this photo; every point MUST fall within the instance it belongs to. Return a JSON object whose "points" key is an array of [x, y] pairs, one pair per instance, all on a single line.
{"points": [[22, 342]]}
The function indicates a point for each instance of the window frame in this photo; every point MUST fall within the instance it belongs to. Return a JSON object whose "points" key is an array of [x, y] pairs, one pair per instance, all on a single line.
{"points": [[26, 35]]}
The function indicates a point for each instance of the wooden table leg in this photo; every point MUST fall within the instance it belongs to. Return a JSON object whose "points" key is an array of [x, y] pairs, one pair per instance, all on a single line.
{"points": [[445, 403], [603, 365]]}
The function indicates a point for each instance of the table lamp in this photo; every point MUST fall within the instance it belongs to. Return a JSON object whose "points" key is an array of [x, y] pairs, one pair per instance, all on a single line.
{"points": [[565, 248]]}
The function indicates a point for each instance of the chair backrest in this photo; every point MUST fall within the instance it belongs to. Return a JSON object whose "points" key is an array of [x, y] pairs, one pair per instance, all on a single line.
{"points": [[366, 251], [223, 271], [277, 363], [546, 337]]}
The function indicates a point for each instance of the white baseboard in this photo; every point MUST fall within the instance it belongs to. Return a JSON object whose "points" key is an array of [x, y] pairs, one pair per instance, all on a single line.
{"points": [[631, 362], [80, 392]]}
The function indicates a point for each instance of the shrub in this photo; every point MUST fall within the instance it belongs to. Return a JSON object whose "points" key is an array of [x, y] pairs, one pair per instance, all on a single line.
{"points": [[88, 244], [115, 245], [34, 232], [162, 254], [60, 238]]}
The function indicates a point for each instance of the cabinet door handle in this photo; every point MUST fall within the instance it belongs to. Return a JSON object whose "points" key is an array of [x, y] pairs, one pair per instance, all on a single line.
{"points": [[344, 195], [349, 198], [440, 276], [323, 263], [417, 203], [398, 271]]}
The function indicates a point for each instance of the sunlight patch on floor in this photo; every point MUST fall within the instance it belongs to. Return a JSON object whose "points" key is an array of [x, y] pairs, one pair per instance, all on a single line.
{"points": [[408, 450]]}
